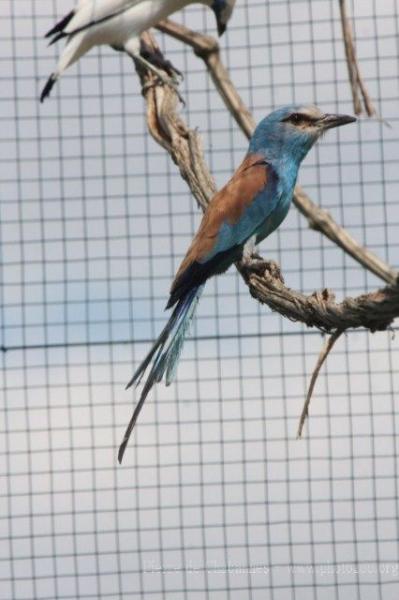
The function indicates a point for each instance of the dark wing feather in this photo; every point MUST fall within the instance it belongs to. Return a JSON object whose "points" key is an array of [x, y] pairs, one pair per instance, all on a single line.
{"points": [[92, 23], [197, 273], [60, 26]]}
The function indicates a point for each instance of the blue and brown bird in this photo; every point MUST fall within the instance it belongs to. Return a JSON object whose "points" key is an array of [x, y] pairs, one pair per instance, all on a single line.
{"points": [[119, 24], [243, 213]]}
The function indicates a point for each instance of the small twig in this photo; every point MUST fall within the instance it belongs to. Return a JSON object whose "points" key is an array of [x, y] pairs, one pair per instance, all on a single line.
{"points": [[325, 224], [355, 79], [320, 361], [207, 48]]}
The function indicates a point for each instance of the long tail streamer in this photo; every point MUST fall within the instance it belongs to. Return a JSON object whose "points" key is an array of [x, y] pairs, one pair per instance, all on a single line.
{"points": [[164, 355]]}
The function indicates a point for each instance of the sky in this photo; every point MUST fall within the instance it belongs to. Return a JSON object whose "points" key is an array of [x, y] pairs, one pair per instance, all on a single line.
{"points": [[216, 497]]}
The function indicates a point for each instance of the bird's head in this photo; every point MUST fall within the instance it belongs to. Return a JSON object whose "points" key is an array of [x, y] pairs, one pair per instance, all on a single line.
{"points": [[291, 131], [223, 10]]}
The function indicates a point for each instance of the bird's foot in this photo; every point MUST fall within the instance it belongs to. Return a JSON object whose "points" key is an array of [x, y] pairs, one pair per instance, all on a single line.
{"points": [[153, 60], [155, 57], [274, 270], [255, 263], [165, 79]]}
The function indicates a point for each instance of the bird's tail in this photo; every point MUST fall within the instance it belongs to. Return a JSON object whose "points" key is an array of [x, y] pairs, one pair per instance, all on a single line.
{"points": [[75, 47], [164, 355], [48, 87]]}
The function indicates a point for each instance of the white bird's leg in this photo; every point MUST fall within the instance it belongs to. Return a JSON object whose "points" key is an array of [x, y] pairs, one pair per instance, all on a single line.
{"points": [[166, 80], [248, 250], [133, 47], [154, 55]]}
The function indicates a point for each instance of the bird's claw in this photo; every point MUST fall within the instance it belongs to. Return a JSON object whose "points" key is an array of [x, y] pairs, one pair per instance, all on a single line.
{"points": [[164, 81], [274, 270], [155, 57], [255, 263], [173, 84], [175, 87], [154, 62]]}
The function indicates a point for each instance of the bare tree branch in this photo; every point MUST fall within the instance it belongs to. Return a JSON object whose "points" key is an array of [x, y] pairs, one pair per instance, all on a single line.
{"points": [[207, 48], [324, 223], [373, 311], [355, 79]]}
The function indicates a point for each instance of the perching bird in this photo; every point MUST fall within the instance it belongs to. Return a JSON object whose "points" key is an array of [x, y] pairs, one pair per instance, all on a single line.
{"points": [[118, 23], [245, 211]]}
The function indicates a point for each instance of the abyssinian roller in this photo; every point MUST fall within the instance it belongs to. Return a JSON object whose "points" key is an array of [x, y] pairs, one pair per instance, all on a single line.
{"points": [[243, 213]]}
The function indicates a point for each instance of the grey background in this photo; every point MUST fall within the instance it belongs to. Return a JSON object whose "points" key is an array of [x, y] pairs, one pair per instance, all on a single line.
{"points": [[216, 498]]}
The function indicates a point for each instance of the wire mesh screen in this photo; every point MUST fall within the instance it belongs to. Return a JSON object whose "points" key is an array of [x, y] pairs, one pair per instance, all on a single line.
{"points": [[216, 497]]}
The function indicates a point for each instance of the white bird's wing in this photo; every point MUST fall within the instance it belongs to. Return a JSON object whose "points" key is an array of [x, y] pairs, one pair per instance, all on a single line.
{"points": [[89, 13]]}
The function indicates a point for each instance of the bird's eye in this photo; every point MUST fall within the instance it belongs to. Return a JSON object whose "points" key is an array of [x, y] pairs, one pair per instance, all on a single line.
{"points": [[295, 118]]}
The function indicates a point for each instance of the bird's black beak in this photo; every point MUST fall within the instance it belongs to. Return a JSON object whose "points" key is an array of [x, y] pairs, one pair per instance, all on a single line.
{"points": [[221, 27], [329, 121]]}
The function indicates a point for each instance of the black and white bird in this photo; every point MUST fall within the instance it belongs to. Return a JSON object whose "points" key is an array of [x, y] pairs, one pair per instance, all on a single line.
{"points": [[118, 23]]}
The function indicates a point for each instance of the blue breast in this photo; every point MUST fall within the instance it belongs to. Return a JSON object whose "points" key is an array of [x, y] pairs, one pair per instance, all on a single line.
{"points": [[285, 179]]}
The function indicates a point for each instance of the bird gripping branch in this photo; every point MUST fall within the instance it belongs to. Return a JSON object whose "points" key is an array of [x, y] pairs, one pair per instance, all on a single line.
{"points": [[244, 212], [119, 23]]}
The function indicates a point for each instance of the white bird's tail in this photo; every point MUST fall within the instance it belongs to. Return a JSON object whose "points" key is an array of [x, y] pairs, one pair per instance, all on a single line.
{"points": [[76, 46]]}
